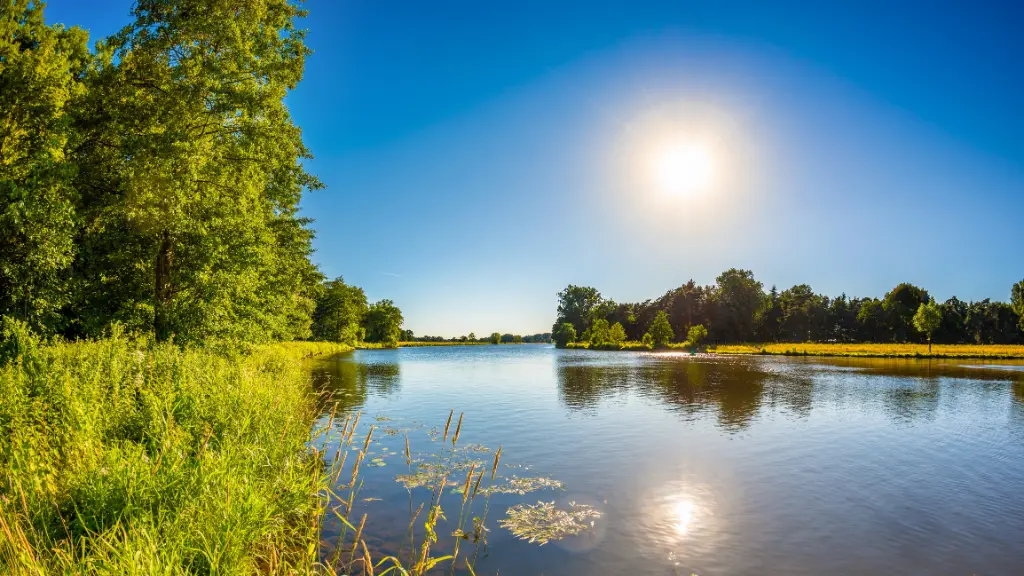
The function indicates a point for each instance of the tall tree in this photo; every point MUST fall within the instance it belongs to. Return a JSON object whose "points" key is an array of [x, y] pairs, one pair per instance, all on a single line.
{"points": [[383, 323], [339, 312], [40, 69], [739, 298], [900, 305], [192, 174], [927, 319], [661, 331], [576, 305], [1017, 301]]}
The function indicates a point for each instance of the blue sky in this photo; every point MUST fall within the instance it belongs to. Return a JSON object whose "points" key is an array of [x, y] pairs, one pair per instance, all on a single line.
{"points": [[479, 156]]}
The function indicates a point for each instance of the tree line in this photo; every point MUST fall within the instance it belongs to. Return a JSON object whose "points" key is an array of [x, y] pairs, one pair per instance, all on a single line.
{"points": [[154, 182], [736, 308], [494, 338]]}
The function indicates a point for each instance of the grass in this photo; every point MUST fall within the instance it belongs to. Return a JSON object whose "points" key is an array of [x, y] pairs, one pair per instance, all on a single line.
{"points": [[629, 346], [872, 350], [122, 456]]}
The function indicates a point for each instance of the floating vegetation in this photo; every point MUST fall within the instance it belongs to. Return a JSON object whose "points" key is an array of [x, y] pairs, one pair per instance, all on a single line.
{"points": [[517, 485], [542, 522], [377, 463]]}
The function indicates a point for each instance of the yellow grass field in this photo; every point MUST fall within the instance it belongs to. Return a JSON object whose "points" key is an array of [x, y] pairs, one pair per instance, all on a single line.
{"points": [[869, 350]]}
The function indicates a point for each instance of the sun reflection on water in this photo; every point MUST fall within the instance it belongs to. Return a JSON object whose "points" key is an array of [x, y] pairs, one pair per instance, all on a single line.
{"points": [[683, 511]]}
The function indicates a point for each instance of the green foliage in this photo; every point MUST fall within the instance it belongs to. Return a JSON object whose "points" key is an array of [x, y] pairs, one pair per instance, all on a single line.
{"points": [[495, 338], [739, 297], [383, 323], [927, 319], [661, 331], [696, 335], [648, 340], [616, 334], [340, 310], [152, 459], [598, 333], [1017, 301], [40, 67], [156, 183], [576, 306]]}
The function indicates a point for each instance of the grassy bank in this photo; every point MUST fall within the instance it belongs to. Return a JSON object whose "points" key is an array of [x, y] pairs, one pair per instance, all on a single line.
{"points": [[869, 350], [122, 456], [378, 345], [629, 346]]}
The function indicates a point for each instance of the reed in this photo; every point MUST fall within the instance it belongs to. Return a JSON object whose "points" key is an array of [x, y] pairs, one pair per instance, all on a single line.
{"points": [[149, 458], [876, 350]]}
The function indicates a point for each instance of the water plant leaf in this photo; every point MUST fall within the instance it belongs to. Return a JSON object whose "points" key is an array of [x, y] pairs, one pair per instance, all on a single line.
{"points": [[543, 522]]}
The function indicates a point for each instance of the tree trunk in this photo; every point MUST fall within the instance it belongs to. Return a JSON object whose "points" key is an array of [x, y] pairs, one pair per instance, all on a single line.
{"points": [[164, 257]]}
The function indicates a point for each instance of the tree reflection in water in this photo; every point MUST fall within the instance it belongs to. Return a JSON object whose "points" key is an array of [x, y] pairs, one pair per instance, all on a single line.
{"points": [[347, 379]]}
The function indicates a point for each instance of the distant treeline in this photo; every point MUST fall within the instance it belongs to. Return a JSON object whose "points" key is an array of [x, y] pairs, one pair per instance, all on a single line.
{"points": [[736, 308], [494, 338]]}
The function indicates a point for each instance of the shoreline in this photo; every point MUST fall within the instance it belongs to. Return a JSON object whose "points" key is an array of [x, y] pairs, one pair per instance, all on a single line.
{"points": [[869, 350]]}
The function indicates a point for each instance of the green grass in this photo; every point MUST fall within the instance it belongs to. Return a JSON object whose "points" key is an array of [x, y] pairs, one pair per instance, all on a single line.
{"points": [[878, 350], [122, 456], [628, 346]]}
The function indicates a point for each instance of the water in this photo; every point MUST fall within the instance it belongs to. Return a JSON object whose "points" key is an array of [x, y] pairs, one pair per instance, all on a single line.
{"points": [[715, 465]]}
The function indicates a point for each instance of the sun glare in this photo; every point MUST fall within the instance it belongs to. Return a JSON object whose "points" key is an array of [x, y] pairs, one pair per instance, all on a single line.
{"points": [[682, 168]]}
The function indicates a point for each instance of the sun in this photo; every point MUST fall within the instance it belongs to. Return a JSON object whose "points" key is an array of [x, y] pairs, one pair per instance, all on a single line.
{"points": [[682, 168]]}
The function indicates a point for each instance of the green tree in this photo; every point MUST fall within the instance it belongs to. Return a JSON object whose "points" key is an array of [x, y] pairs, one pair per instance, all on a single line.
{"points": [[661, 331], [563, 334], [576, 305], [927, 319], [472, 337], [339, 312], [647, 340], [1017, 301], [598, 333], [696, 335], [495, 338], [739, 298], [40, 67], [616, 334], [191, 174], [384, 323], [900, 305]]}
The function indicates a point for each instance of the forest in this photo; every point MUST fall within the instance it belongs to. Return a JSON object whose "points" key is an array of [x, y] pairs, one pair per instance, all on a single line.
{"points": [[736, 308], [154, 182]]}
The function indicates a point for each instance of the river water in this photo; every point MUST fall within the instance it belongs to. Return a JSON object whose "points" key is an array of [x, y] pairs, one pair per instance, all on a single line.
{"points": [[709, 465]]}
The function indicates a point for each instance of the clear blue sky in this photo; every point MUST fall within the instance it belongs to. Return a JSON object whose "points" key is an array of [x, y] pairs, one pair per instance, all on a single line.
{"points": [[479, 156]]}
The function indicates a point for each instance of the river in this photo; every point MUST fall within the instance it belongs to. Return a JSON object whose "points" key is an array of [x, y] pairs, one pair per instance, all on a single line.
{"points": [[710, 465]]}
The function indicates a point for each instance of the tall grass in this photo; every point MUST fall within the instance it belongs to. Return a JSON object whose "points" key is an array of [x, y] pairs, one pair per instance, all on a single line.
{"points": [[122, 456], [874, 350]]}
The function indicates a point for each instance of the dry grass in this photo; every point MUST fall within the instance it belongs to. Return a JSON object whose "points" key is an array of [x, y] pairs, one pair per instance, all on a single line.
{"points": [[872, 350]]}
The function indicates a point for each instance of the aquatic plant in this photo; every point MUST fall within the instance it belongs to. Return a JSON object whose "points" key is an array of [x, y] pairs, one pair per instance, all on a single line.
{"points": [[543, 522]]}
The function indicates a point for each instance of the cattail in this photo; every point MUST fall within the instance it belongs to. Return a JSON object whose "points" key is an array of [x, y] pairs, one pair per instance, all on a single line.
{"points": [[458, 429], [447, 424], [340, 467], [476, 486], [369, 435], [469, 479], [348, 439], [494, 469], [355, 468], [367, 562], [408, 453], [355, 541]]}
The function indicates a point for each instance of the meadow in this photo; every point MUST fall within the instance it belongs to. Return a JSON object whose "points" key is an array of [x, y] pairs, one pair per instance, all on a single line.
{"points": [[877, 350], [126, 456]]}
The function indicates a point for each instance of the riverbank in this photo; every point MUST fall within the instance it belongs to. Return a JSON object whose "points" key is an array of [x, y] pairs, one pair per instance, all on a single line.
{"points": [[872, 350], [378, 346], [147, 458]]}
